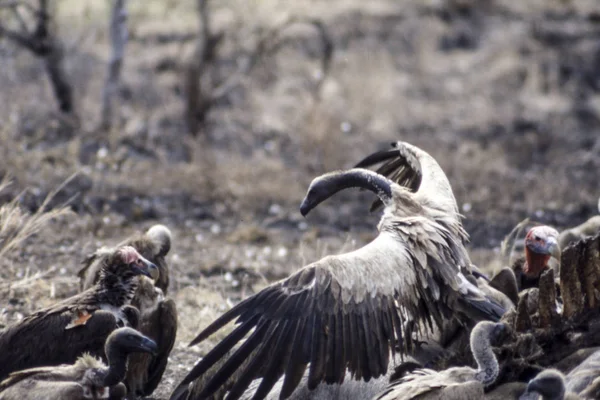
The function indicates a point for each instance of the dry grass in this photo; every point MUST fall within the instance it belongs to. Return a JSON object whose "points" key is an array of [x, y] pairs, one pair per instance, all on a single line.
{"points": [[16, 224], [496, 114]]}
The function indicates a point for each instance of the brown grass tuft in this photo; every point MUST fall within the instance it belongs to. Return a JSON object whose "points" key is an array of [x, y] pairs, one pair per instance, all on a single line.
{"points": [[16, 224]]}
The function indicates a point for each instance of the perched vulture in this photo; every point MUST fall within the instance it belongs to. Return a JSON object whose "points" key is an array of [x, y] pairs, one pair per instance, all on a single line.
{"points": [[575, 234], [541, 243], [505, 281], [158, 315], [348, 311], [584, 378], [61, 333], [574, 359], [456, 383], [154, 245], [88, 378], [550, 384]]}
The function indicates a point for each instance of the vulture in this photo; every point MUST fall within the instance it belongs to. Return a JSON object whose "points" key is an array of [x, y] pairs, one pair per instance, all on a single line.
{"points": [[505, 282], [87, 378], [575, 234], [349, 311], [541, 243], [398, 166], [158, 315], [456, 383], [574, 359], [583, 378], [550, 384], [154, 245], [62, 332]]}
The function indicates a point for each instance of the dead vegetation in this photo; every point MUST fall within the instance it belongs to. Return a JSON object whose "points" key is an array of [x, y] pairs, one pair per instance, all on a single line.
{"points": [[16, 224], [505, 96]]}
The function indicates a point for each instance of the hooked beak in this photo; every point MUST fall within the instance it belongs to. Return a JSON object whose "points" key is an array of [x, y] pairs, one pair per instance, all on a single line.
{"points": [[148, 345], [553, 248], [147, 268], [306, 206]]}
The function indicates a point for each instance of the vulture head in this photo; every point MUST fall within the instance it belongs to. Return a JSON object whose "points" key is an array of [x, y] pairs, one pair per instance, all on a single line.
{"points": [[154, 245], [541, 243], [550, 384], [125, 263], [127, 340], [325, 186], [119, 344]]}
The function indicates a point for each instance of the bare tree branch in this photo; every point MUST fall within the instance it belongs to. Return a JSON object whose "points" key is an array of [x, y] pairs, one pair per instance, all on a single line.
{"points": [[201, 94], [45, 45], [270, 43], [18, 38], [118, 36], [19, 17], [198, 90]]}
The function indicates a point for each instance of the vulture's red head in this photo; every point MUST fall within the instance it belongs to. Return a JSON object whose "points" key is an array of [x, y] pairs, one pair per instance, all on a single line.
{"points": [[126, 262], [541, 243]]}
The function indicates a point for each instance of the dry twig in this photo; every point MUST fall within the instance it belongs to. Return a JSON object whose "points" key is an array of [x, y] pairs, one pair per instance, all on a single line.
{"points": [[44, 44], [202, 94]]}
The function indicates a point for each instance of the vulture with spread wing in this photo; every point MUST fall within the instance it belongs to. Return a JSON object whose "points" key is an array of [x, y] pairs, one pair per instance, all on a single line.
{"points": [[349, 311], [88, 378], [158, 315], [61, 333]]}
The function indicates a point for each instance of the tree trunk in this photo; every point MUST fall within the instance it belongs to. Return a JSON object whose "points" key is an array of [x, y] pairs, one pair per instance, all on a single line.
{"points": [[118, 36]]}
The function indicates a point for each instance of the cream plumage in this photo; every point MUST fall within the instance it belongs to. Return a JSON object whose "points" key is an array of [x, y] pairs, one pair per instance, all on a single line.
{"points": [[348, 311]]}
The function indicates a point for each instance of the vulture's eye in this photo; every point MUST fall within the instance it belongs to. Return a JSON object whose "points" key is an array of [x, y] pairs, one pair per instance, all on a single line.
{"points": [[537, 238]]}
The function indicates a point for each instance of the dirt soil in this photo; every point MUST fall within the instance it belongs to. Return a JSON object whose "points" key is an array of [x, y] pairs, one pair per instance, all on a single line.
{"points": [[506, 96]]}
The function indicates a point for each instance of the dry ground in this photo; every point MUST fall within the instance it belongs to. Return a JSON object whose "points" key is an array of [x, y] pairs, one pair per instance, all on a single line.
{"points": [[505, 95]]}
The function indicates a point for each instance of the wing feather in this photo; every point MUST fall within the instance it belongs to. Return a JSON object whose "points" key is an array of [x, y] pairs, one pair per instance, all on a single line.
{"points": [[343, 312], [401, 166]]}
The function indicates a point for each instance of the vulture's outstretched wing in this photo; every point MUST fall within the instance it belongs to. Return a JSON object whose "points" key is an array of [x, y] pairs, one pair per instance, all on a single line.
{"points": [[342, 312]]}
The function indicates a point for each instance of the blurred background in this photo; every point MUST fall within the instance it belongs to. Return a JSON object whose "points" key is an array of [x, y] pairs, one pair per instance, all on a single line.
{"points": [[212, 117]]}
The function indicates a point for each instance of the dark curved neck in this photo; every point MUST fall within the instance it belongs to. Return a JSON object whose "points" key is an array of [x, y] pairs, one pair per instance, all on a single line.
{"points": [[327, 185], [364, 179], [117, 365], [356, 178]]}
